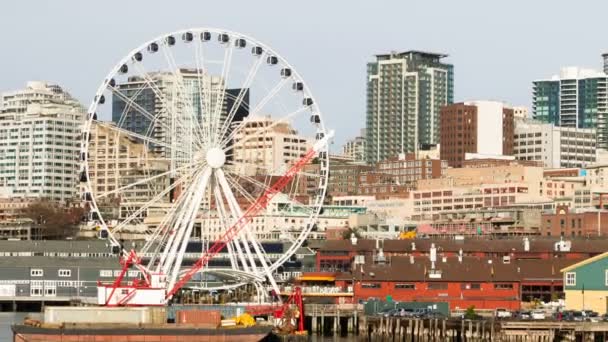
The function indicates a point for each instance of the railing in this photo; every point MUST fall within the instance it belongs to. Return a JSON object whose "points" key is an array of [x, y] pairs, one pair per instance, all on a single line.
{"points": [[319, 290]]}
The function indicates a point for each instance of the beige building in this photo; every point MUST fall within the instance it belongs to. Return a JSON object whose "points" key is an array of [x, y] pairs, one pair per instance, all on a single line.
{"points": [[116, 160], [263, 146], [521, 113]]}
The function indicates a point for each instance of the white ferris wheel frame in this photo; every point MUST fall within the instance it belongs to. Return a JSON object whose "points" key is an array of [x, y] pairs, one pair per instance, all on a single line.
{"points": [[314, 108]]}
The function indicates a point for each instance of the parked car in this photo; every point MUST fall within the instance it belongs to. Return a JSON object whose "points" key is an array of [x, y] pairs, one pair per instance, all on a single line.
{"points": [[503, 313], [387, 313], [578, 316], [525, 315], [591, 316], [537, 315], [406, 312], [434, 314], [420, 312]]}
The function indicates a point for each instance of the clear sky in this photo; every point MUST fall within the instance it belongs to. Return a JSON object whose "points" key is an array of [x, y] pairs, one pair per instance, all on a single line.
{"points": [[497, 47]]}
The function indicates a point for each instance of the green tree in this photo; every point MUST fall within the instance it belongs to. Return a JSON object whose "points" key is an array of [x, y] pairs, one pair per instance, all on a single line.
{"points": [[470, 313]]}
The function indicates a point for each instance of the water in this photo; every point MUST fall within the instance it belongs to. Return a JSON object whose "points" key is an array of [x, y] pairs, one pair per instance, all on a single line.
{"points": [[9, 318]]}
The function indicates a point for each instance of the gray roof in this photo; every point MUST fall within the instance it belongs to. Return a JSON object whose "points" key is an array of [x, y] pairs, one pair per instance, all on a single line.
{"points": [[70, 246], [41, 261]]}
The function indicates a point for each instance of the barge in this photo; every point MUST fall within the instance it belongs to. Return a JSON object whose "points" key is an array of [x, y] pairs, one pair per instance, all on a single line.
{"points": [[124, 333]]}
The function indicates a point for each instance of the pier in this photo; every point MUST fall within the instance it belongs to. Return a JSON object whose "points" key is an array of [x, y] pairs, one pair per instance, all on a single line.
{"points": [[436, 330]]}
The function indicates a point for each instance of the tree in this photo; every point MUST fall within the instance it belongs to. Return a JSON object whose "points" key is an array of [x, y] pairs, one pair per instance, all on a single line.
{"points": [[54, 220], [346, 234], [470, 313]]}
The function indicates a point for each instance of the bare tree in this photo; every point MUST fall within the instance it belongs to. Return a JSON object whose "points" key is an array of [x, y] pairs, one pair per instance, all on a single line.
{"points": [[54, 220]]}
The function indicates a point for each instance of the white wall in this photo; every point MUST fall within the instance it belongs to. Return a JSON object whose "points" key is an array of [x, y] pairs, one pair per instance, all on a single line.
{"points": [[489, 126]]}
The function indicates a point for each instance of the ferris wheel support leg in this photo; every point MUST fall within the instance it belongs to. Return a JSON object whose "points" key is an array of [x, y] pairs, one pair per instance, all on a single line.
{"points": [[222, 211], [224, 184], [239, 239], [191, 217], [173, 225]]}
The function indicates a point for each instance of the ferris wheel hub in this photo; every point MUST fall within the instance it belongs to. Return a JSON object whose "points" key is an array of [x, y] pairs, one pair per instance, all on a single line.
{"points": [[215, 157]]}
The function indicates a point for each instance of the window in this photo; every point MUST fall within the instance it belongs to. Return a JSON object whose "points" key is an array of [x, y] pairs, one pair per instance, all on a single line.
{"points": [[473, 286], [370, 285], [503, 286], [413, 287], [105, 273], [570, 279], [36, 272], [64, 273], [437, 286]]}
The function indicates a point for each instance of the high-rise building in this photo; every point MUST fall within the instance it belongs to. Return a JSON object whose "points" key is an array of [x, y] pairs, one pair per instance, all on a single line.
{"points": [[40, 128], [267, 151], [405, 92], [168, 103], [355, 148], [555, 147], [575, 98], [481, 127], [605, 57]]}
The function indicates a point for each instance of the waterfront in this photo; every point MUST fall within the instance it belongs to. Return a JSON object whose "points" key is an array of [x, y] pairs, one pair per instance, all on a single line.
{"points": [[9, 318]]}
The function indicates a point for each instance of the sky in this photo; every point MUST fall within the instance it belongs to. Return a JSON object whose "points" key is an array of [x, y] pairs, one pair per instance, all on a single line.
{"points": [[497, 47]]}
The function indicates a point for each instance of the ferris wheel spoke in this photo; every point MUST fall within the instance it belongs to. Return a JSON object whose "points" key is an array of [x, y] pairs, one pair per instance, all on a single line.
{"points": [[137, 136], [219, 105], [258, 132], [227, 221], [203, 91], [147, 205], [146, 180], [244, 193], [239, 99], [164, 113], [185, 95], [163, 234], [249, 235], [130, 103], [256, 110]]}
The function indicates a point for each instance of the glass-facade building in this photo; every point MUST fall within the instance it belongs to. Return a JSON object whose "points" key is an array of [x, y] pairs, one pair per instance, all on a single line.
{"points": [[405, 93], [575, 98]]}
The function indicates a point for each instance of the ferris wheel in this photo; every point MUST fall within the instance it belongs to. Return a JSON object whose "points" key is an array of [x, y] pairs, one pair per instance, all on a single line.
{"points": [[186, 135]]}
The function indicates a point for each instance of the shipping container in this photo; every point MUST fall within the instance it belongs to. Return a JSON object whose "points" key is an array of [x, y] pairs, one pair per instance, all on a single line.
{"points": [[227, 310], [206, 317]]}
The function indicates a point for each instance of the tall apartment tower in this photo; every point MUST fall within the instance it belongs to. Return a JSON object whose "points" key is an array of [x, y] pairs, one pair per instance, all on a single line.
{"points": [[405, 92], [171, 100], [575, 98], [605, 58], [479, 127]]}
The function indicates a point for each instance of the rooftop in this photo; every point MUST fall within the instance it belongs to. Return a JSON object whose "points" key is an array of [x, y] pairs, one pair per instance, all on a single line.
{"points": [[537, 245], [470, 269], [426, 54]]}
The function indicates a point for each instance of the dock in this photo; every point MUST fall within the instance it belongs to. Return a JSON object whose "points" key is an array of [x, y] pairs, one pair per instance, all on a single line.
{"points": [[486, 330]]}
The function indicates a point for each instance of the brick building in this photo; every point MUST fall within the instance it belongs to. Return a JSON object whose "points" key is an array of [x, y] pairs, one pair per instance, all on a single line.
{"points": [[482, 127], [569, 223]]}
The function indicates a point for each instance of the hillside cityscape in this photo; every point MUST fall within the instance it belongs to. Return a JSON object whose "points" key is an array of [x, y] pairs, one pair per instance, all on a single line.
{"points": [[190, 184]]}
